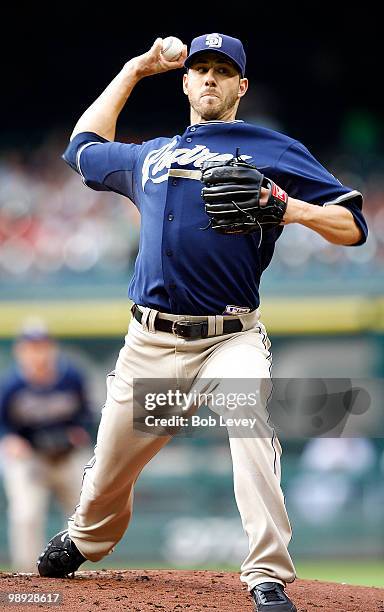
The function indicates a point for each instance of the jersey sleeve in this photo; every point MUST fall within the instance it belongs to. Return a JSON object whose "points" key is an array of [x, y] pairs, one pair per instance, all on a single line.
{"points": [[303, 177], [103, 165]]}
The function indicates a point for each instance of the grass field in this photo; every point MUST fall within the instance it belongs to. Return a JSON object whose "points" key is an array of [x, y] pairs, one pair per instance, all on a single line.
{"points": [[369, 573]]}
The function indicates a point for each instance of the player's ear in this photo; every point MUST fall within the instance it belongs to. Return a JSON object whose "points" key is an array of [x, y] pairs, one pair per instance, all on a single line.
{"points": [[185, 83], [243, 87]]}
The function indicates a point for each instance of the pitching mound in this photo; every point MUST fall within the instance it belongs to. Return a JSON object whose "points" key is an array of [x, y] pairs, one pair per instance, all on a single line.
{"points": [[178, 591]]}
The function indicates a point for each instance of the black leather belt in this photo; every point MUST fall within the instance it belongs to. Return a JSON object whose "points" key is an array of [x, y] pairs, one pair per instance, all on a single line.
{"points": [[192, 330]]}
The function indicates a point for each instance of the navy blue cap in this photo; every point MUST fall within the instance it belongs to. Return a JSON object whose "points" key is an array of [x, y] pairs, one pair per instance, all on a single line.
{"points": [[220, 43]]}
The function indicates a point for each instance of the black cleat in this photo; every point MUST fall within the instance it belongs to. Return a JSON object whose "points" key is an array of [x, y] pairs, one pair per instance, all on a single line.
{"points": [[270, 597], [60, 558]]}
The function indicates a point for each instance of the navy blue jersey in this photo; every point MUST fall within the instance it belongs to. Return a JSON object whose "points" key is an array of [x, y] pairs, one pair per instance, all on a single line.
{"points": [[181, 267], [38, 413]]}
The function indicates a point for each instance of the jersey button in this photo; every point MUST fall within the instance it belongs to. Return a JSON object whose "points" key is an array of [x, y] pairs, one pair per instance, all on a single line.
{"points": [[193, 129], [174, 182], [188, 139], [170, 217], [169, 252]]}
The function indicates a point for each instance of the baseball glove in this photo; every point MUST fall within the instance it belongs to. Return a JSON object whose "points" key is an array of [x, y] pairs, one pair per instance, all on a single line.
{"points": [[231, 194]]}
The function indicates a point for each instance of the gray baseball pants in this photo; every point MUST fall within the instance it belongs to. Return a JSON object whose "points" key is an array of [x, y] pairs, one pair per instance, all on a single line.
{"points": [[105, 506]]}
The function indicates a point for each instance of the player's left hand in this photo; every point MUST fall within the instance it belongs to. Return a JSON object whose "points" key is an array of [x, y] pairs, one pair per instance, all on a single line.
{"points": [[239, 199], [78, 436]]}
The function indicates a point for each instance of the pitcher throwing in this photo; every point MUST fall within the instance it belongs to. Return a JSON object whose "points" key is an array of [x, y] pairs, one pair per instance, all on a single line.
{"points": [[213, 202]]}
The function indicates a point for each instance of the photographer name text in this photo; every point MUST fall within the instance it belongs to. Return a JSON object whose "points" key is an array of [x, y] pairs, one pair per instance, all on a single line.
{"points": [[197, 421]]}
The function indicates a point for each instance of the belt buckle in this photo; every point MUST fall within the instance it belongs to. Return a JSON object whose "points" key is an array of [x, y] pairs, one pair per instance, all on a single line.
{"points": [[191, 326], [174, 323], [174, 330]]}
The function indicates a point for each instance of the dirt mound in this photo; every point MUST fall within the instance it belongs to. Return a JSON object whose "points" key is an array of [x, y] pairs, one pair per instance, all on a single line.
{"points": [[176, 591]]}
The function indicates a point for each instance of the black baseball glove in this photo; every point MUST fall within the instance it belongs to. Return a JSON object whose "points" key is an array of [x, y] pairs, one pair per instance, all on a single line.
{"points": [[232, 192]]}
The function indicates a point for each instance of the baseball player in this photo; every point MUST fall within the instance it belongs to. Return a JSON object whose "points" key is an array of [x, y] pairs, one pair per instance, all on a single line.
{"points": [[213, 202], [44, 439]]}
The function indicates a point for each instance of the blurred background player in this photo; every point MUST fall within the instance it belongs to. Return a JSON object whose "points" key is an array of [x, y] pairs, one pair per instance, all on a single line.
{"points": [[44, 438]]}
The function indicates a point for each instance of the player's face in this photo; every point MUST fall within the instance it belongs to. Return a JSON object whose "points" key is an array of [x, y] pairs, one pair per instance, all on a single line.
{"points": [[214, 88], [37, 359]]}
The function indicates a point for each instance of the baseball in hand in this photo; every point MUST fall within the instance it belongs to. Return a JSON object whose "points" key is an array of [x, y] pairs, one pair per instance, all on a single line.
{"points": [[172, 48]]}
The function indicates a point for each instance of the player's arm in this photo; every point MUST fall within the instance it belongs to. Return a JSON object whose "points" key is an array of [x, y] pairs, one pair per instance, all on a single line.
{"points": [[335, 223], [318, 200], [102, 115]]}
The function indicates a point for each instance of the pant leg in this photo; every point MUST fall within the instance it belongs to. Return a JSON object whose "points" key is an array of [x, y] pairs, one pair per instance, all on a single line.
{"points": [[27, 495], [106, 499], [256, 459]]}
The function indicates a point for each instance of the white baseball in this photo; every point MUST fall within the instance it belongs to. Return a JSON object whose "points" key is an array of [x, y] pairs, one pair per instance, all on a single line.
{"points": [[172, 48]]}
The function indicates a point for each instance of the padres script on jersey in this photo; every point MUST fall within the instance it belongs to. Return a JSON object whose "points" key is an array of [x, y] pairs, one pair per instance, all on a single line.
{"points": [[158, 162], [182, 267]]}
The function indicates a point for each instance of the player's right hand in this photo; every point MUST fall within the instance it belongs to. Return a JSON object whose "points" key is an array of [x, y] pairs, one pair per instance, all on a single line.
{"points": [[16, 447], [153, 62]]}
